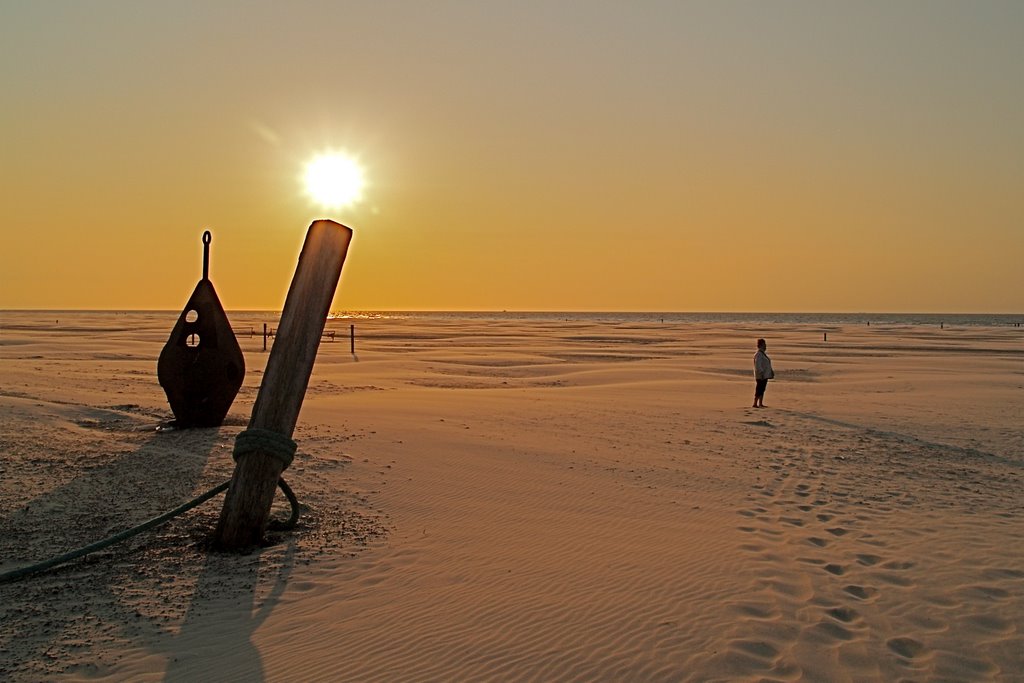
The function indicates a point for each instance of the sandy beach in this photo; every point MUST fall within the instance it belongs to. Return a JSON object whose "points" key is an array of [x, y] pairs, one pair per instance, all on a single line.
{"points": [[528, 500]]}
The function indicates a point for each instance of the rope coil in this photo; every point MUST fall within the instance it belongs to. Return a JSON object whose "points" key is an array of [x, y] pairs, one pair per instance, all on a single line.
{"points": [[267, 442]]}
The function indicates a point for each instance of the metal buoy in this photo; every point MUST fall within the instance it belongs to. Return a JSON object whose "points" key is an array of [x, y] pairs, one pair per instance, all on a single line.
{"points": [[201, 367]]}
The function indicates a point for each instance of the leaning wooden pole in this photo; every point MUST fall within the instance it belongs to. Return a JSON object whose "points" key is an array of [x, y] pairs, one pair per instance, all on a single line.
{"points": [[266, 448]]}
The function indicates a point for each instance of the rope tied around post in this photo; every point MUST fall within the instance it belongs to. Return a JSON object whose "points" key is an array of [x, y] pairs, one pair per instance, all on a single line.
{"points": [[267, 442]]}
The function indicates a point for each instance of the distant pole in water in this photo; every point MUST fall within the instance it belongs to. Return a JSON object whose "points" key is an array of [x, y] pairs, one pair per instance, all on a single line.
{"points": [[824, 336], [264, 336], [352, 338]]}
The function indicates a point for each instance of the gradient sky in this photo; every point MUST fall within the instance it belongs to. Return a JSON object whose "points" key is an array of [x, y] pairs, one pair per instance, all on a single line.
{"points": [[657, 156]]}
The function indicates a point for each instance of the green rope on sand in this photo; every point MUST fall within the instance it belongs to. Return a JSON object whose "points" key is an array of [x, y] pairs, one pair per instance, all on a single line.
{"points": [[267, 442], [15, 574]]}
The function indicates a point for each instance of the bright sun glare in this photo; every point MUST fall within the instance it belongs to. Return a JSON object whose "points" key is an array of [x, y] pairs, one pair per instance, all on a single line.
{"points": [[334, 180]]}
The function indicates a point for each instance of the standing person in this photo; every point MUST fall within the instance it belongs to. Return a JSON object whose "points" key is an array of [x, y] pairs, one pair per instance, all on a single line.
{"points": [[762, 373]]}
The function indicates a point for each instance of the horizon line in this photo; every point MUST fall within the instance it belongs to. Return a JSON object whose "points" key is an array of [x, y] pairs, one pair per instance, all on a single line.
{"points": [[529, 310]]}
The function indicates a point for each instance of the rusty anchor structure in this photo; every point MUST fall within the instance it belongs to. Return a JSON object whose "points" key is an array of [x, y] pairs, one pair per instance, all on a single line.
{"points": [[201, 367]]}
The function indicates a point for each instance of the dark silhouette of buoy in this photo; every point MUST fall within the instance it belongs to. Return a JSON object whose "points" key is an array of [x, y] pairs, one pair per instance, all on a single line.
{"points": [[201, 366]]}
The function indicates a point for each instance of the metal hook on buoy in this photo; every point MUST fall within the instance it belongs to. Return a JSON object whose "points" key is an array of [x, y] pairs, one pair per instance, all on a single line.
{"points": [[207, 238]]}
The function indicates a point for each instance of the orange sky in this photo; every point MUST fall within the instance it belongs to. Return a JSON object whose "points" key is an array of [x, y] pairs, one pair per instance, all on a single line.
{"points": [[669, 156]]}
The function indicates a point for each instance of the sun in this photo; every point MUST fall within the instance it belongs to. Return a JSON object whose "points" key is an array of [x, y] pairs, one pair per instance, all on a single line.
{"points": [[334, 180]]}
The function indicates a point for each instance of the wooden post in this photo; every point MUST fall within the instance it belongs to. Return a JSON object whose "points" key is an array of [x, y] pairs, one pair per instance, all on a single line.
{"points": [[352, 338], [264, 336], [246, 512]]}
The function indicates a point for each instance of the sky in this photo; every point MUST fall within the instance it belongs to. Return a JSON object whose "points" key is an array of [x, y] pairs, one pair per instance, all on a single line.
{"points": [[530, 155]]}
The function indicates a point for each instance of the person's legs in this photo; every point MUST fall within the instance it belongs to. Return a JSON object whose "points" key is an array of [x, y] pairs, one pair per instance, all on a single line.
{"points": [[759, 388]]}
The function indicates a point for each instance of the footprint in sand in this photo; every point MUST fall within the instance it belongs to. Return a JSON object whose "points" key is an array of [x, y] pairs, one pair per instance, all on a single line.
{"points": [[789, 589], [757, 611], [846, 615], [868, 560], [941, 600], [835, 569], [820, 542], [928, 624], [991, 624], [980, 668], [991, 592], [757, 655], [895, 579], [897, 565], [861, 592], [1003, 573], [833, 632], [908, 648], [757, 648]]}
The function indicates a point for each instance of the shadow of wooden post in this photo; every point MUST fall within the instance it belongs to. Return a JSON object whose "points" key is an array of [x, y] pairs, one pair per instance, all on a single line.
{"points": [[265, 449]]}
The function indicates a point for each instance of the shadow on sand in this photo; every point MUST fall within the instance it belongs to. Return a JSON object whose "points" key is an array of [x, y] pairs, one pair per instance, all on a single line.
{"points": [[229, 603], [159, 593]]}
